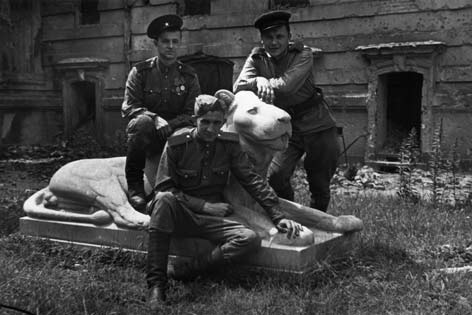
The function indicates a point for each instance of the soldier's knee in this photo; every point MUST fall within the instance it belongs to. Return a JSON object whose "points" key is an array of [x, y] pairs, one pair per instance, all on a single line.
{"points": [[141, 124], [163, 212], [144, 120]]}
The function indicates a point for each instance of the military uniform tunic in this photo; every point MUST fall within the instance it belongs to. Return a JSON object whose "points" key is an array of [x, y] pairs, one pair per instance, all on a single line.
{"points": [[314, 132], [192, 172], [291, 77], [154, 89], [167, 91], [197, 172]]}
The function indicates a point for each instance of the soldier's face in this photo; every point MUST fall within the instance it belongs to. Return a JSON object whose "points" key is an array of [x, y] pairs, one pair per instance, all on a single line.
{"points": [[209, 125], [275, 40], [167, 45]]}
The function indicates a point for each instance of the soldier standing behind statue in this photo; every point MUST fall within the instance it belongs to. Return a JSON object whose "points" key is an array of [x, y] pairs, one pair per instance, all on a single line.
{"points": [[159, 98], [281, 73]]}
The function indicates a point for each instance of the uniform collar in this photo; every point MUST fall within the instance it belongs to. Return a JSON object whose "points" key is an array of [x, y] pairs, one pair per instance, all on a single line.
{"points": [[195, 136], [162, 67]]}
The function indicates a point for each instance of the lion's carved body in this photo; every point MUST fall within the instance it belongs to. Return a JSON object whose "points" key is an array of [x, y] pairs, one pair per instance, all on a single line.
{"points": [[94, 190]]}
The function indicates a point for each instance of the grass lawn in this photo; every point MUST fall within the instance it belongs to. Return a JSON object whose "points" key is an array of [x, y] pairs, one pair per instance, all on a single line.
{"points": [[393, 270]]}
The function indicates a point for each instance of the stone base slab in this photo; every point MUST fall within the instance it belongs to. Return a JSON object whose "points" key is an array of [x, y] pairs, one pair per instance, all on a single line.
{"points": [[294, 259]]}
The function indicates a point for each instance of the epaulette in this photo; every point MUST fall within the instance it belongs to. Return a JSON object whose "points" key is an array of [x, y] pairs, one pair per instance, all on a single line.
{"points": [[296, 45], [147, 64], [258, 51], [179, 139], [185, 68], [228, 136]]}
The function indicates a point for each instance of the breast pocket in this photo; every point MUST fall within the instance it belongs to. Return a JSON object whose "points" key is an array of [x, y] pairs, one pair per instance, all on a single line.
{"points": [[188, 178], [220, 175], [152, 98]]}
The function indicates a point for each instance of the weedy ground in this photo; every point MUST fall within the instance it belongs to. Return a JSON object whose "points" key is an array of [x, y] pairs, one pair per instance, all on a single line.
{"points": [[394, 268]]}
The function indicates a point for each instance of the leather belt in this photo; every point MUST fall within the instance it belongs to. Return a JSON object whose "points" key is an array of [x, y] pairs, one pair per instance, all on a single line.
{"points": [[312, 102]]}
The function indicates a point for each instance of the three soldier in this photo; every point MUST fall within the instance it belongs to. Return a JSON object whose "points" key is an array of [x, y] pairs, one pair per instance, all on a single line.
{"points": [[162, 95]]}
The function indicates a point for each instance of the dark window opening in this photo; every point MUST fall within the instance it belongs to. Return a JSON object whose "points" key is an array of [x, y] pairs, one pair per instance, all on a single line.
{"points": [[89, 13], [21, 5], [5, 12], [197, 7], [214, 73], [403, 108], [283, 4], [5, 63], [13, 62], [83, 104]]}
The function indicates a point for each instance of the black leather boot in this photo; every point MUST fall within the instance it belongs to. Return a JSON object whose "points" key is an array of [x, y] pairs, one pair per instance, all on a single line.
{"points": [[189, 270], [156, 277], [135, 162]]}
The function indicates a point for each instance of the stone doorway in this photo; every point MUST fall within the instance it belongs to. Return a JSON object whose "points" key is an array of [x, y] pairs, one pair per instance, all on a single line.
{"points": [[83, 105], [82, 95], [401, 79], [399, 101], [82, 108]]}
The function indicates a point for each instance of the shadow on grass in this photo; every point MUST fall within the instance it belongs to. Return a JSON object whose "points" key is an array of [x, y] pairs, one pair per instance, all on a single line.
{"points": [[369, 260]]}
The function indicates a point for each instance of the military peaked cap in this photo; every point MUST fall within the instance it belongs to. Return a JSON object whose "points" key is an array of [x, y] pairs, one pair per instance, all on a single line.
{"points": [[170, 22], [271, 19]]}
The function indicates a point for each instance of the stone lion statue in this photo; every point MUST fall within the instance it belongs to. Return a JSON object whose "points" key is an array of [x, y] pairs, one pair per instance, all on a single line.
{"points": [[94, 190]]}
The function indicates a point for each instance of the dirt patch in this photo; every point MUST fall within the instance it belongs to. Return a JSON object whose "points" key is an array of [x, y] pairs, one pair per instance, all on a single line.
{"points": [[18, 181], [450, 189]]}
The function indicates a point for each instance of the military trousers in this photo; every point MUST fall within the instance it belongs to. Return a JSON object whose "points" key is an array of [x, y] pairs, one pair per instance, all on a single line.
{"points": [[322, 150], [169, 216], [142, 141]]}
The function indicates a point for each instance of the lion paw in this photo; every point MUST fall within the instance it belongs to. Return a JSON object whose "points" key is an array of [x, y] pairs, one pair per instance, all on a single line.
{"points": [[305, 238]]}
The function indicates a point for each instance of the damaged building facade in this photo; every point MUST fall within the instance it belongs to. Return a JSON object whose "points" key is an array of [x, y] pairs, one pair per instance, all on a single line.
{"points": [[385, 66]]}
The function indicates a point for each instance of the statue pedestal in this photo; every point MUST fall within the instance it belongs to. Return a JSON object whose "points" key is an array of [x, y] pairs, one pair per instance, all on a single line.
{"points": [[270, 256]]}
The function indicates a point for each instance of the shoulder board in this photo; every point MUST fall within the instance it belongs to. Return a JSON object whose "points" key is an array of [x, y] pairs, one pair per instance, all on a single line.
{"points": [[296, 46], [186, 68], [147, 64], [228, 136], [179, 139], [258, 51]]}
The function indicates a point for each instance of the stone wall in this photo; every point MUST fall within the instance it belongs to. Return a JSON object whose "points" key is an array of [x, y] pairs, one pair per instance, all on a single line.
{"points": [[337, 27], [27, 100]]}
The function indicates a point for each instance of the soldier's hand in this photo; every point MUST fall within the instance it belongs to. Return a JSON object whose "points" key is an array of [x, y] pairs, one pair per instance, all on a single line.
{"points": [[163, 132], [264, 90], [290, 227], [218, 209]]}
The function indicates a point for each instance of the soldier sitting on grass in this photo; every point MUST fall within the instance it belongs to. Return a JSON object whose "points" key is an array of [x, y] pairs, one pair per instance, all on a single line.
{"points": [[192, 174]]}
